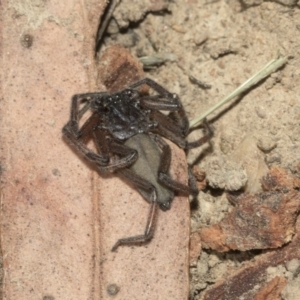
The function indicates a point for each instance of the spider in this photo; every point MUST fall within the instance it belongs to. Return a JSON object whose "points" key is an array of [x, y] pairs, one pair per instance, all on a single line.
{"points": [[127, 128]]}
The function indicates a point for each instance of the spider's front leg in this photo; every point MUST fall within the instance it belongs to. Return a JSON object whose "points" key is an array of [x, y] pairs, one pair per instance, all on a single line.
{"points": [[154, 85], [177, 113], [171, 103], [77, 138], [102, 162], [76, 113]]}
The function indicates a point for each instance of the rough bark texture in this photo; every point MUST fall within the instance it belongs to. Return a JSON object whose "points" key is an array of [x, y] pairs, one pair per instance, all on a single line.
{"points": [[261, 221], [252, 277]]}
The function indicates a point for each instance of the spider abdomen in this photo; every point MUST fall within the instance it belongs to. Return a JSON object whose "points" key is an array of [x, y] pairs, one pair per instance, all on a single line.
{"points": [[147, 166]]}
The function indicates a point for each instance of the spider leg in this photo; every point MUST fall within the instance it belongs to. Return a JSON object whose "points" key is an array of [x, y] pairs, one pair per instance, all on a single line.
{"points": [[84, 133], [130, 156], [79, 145], [154, 85], [177, 113], [172, 104], [100, 138], [157, 103], [139, 182], [169, 129], [102, 162], [78, 137], [76, 114], [163, 170], [209, 132], [143, 237]]}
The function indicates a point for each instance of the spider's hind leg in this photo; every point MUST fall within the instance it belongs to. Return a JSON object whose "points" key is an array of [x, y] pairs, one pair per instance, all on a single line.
{"points": [[143, 237], [140, 183], [208, 134], [172, 131], [163, 170]]}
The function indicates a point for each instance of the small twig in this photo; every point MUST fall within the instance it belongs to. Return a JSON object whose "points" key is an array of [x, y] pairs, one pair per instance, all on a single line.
{"points": [[104, 23], [201, 84], [156, 59], [268, 69]]}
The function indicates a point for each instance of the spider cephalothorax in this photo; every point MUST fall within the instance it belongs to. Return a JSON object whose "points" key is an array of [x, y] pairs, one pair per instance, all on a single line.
{"points": [[127, 128]]}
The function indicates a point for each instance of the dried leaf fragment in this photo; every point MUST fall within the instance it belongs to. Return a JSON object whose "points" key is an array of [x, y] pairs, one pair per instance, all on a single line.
{"points": [[272, 290], [244, 283], [261, 221], [119, 69], [279, 179]]}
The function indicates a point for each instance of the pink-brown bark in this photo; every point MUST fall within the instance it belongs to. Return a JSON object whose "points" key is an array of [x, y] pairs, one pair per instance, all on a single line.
{"points": [[60, 218]]}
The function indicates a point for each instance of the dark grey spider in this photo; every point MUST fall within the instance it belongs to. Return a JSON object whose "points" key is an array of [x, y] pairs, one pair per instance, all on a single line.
{"points": [[127, 128]]}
